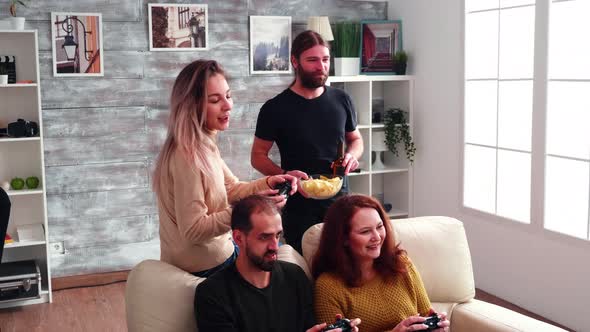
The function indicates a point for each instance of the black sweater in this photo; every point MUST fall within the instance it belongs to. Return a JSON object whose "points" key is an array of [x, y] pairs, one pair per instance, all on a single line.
{"points": [[227, 302]]}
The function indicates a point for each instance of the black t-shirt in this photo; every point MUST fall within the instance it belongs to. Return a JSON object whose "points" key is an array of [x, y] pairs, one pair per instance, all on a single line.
{"points": [[227, 302], [307, 131]]}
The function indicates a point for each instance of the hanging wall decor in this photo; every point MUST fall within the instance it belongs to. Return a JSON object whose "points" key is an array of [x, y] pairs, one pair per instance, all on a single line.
{"points": [[270, 44], [380, 41], [178, 27], [76, 39]]}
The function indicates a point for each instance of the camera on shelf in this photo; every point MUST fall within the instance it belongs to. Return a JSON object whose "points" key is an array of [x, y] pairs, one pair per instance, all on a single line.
{"points": [[21, 128]]}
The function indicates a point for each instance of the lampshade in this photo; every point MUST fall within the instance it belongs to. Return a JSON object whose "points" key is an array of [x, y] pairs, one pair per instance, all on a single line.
{"points": [[321, 25], [379, 141]]}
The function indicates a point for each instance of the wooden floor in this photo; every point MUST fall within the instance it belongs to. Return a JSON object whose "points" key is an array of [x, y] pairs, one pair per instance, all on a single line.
{"points": [[85, 309], [102, 308]]}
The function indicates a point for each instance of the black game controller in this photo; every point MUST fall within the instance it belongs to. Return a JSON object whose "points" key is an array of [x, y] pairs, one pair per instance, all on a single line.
{"points": [[431, 322], [341, 323], [284, 189]]}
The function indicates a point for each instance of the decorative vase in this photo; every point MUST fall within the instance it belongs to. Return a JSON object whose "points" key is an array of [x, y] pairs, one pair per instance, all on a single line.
{"points": [[378, 146], [346, 66], [18, 23], [3, 79], [399, 68]]}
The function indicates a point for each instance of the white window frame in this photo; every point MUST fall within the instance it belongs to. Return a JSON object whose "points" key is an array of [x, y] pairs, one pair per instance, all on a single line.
{"points": [[538, 139]]}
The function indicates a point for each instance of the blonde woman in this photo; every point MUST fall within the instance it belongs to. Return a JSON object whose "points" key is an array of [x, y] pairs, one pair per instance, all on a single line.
{"points": [[194, 185]]}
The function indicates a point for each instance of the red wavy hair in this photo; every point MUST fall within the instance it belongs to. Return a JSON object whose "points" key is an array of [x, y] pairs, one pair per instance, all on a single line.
{"points": [[334, 254]]}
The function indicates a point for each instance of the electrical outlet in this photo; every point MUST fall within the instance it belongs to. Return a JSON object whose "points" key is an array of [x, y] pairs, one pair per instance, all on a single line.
{"points": [[57, 248]]}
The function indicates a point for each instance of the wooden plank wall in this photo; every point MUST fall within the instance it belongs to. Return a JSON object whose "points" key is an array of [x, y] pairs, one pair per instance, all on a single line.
{"points": [[102, 134]]}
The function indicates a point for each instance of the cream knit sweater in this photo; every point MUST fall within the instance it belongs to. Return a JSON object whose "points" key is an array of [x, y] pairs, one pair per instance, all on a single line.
{"points": [[196, 235]]}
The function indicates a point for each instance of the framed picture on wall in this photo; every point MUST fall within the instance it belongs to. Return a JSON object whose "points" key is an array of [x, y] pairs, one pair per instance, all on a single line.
{"points": [[178, 27], [379, 42], [76, 40], [270, 44]]}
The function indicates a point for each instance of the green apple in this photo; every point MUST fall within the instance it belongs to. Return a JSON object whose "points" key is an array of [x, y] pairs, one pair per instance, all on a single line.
{"points": [[17, 183], [32, 182]]}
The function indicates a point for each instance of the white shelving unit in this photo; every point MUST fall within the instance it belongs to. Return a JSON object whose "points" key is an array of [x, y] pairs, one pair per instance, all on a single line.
{"points": [[23, 157], [393, 183]]}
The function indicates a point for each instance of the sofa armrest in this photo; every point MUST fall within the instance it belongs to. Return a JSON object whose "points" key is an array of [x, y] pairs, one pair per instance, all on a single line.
{"points": [[159, 297], [482, 316]]}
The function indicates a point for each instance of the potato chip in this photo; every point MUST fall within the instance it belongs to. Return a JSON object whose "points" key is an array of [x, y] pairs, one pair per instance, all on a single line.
{"points": [[322, 188]]}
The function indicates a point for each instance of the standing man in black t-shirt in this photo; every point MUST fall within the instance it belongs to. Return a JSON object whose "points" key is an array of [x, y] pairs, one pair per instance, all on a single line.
{"points": [[257, 292], [306, 121]]}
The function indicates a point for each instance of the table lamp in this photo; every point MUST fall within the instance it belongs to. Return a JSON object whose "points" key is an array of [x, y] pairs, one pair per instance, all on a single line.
{"points": [[321, 25]]}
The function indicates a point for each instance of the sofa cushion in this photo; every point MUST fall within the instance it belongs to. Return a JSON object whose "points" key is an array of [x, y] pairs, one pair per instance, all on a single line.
{"points": [[492, 318], [437, 246], [288, 254], [159, 297], [439, 249]]}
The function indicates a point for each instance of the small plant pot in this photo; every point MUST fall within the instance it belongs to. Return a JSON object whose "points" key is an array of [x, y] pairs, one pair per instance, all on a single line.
{"points": [[18, 23], [346, 66], [400, 68], [3, 79], [5, 24]]}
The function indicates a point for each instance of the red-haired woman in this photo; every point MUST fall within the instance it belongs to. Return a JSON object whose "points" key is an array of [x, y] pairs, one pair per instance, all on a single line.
{"points": [[362, 272], [194, 185]]}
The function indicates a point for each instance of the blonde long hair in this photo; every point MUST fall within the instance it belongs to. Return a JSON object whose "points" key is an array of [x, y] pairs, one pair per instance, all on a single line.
{"points": [[187, 131]]}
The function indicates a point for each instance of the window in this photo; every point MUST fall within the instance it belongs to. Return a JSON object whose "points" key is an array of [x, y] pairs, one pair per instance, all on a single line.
{"points": [[183, 17], [508, 162], [499, 48], [567, 152]]}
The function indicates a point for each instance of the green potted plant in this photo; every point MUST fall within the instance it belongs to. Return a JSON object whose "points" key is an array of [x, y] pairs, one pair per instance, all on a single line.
{"points": [[346, 48], [400, 62], [397, 131], [18, 23]]}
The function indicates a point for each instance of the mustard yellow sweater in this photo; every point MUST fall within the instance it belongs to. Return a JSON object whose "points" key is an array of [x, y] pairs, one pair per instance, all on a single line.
{"points": [[380, 304]]}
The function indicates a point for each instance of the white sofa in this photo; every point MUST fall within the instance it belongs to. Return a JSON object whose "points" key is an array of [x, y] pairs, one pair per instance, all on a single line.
{"points": [[159, 297]]}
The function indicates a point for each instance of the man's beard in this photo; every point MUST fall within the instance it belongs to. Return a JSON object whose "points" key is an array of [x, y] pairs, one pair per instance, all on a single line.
{"points": [[311, 80], [259, 261]]}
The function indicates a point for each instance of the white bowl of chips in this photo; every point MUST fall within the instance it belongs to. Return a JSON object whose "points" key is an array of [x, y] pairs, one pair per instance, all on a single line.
{"points": [[321, 186]]}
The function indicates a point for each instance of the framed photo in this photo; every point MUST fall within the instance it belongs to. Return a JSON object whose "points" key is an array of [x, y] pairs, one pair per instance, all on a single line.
{"points": [[270, 44], [379, 42], [178, 27], [76, 40]]}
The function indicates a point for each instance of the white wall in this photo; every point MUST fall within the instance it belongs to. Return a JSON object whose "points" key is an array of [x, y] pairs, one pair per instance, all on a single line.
{"points": [[539, 271]]}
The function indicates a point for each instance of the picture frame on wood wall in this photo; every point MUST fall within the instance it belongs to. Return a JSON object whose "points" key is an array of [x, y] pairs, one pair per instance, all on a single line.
{"points": [[270, 45], [76, 40], [380, 41], [178, 27]]}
